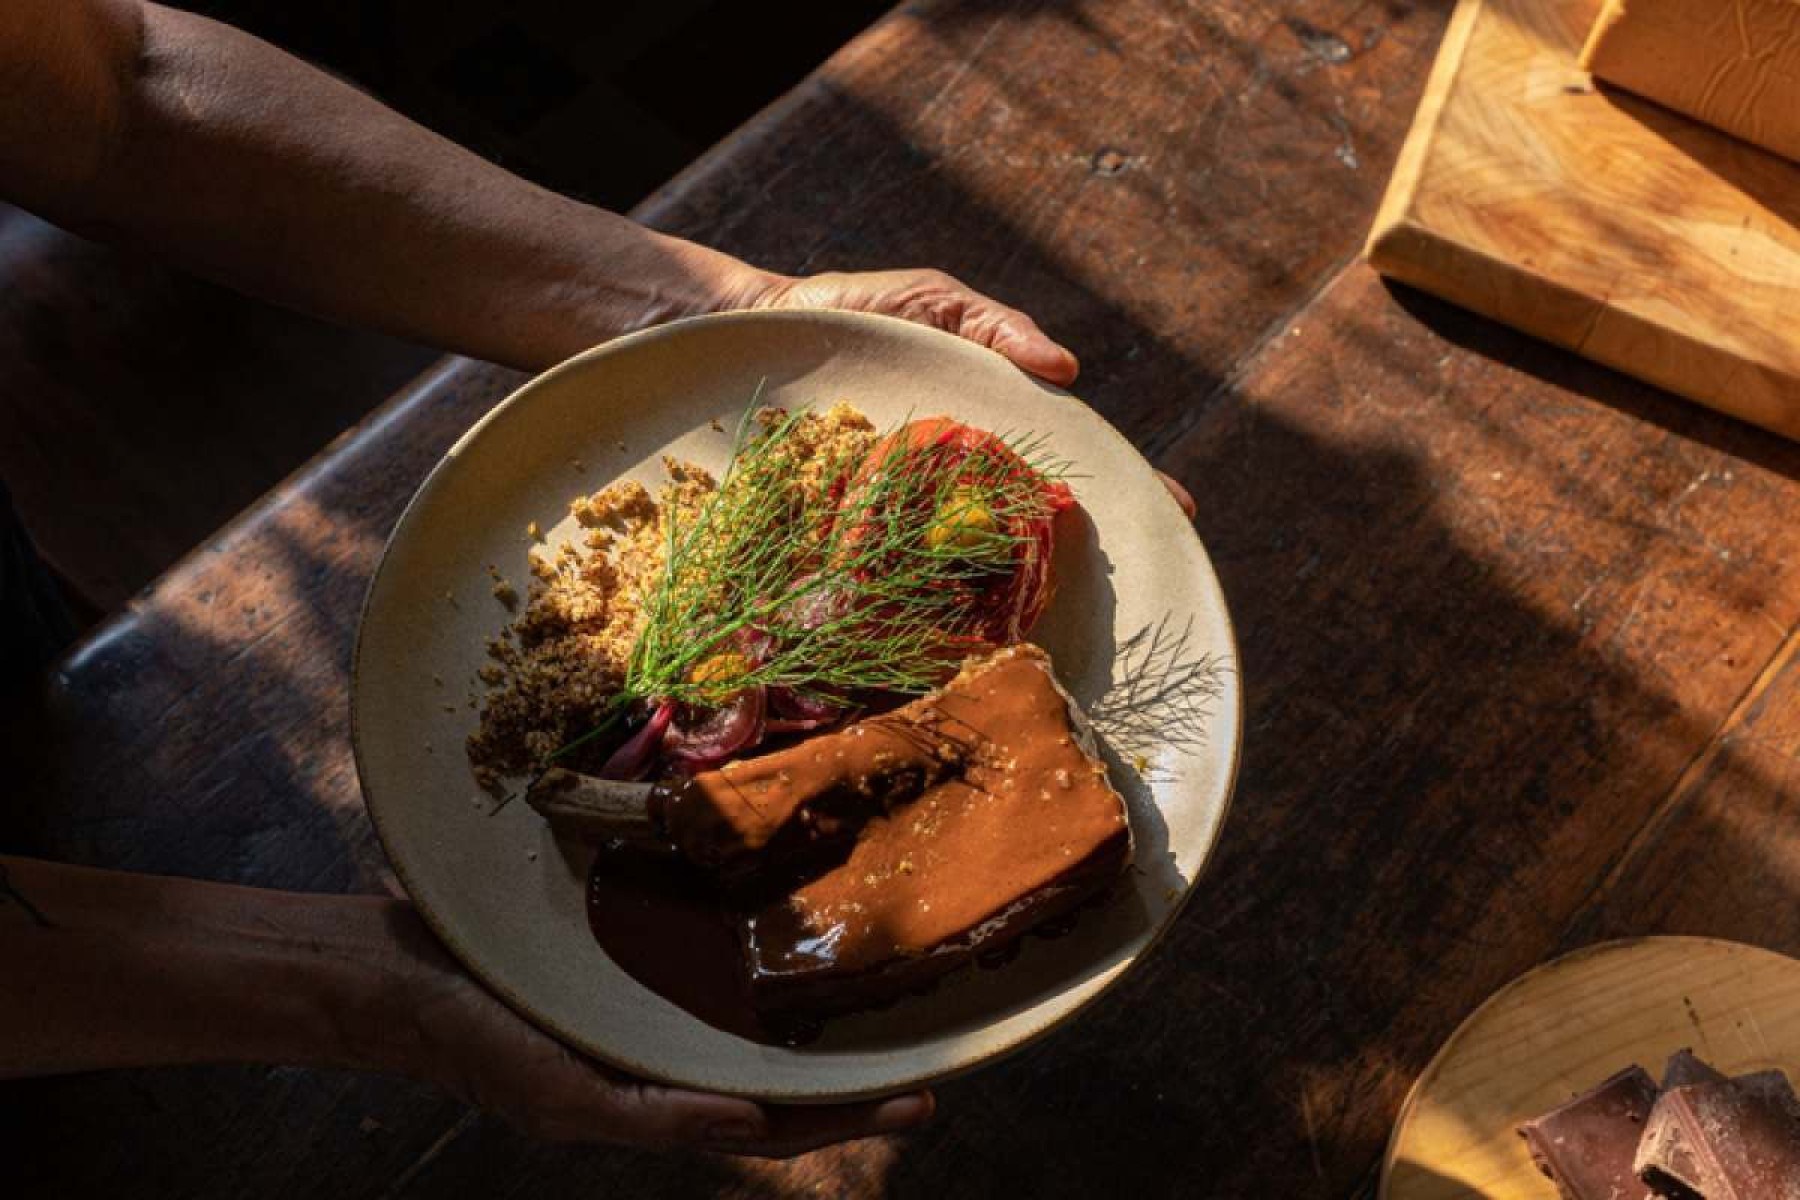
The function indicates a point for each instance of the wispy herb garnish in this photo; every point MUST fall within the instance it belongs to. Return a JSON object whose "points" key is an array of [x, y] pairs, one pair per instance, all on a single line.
{"points": [[878, 574]]}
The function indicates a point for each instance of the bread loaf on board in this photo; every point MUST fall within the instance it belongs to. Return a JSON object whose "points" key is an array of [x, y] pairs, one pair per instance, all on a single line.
{"points": [[1734, 64]]}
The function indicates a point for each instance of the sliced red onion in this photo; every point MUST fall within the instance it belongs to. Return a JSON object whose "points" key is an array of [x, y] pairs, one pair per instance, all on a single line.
{"points": [[719, 732], [812, 605], [792, 705], [792, 725], [753, 644], [816, 605], [632, 760]]}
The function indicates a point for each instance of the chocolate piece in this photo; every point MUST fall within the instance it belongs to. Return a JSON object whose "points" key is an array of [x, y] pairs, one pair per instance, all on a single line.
{"points": [[1684, 1070], [1586, 1147], [1029, 829], [1733, 1139]]}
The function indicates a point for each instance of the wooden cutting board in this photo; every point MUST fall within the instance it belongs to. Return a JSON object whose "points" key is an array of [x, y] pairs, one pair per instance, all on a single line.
{"points": [[1597, 220], [1566, 1026]]}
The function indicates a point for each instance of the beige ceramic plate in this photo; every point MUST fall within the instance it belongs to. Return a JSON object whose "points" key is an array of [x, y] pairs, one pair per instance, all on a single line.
{"points": [[1560, 1029], [1138, 630]]}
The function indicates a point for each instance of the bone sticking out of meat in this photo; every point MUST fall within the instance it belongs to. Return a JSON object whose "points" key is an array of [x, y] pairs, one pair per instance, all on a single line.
{"points": [[799, 805], [607, 810], [772, 814], [765, 816], [1026, 827]]}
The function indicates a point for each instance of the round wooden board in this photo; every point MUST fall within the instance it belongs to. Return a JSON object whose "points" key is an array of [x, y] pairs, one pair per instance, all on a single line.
{"points": [[1564, 1027]]}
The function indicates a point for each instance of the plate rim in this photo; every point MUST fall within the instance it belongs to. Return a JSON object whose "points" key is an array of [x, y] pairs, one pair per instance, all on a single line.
{"points": [[903, 1081]]}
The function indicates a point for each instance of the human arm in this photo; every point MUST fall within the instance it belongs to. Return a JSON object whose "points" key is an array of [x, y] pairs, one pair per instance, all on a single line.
{"points": [[145, 125], [106, 969], [140, 124]]}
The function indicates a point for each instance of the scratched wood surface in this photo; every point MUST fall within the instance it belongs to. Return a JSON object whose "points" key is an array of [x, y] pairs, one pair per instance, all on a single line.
{"points": [[1517, 633], [1598, 220], [127, 433]]}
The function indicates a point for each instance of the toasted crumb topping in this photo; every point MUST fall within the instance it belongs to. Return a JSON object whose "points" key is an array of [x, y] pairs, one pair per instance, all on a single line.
{"points": [[553, 669]]}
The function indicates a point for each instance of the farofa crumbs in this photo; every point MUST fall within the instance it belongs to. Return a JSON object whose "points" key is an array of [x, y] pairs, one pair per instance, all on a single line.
{"points": [[553, 669], [504, 591]]}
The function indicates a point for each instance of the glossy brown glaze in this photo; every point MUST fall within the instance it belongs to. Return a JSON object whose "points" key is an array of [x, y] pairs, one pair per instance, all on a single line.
{"points": [[782, 809], [664, 925], [971, 817], [1027, 830]]}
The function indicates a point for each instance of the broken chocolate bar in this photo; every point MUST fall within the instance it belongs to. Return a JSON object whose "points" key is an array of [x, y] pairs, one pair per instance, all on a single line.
{"points": [[1683, 1069], [1026, 828], [1587, 1146], [1724, 1139]]}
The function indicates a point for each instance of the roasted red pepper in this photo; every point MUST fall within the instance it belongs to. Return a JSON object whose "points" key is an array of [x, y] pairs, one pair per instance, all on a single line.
{"points": [[1003, 607]]}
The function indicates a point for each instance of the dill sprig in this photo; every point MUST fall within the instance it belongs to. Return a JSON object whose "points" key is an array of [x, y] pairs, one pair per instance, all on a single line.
{"points": [[869, 581]]}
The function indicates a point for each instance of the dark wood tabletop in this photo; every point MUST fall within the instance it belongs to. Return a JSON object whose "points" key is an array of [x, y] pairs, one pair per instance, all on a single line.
{"points": [[1518, 634]]}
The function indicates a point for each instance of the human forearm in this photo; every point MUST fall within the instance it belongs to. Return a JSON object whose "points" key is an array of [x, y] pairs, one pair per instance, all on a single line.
{"points": [[249, 166], [106, 969], [140, 124]]}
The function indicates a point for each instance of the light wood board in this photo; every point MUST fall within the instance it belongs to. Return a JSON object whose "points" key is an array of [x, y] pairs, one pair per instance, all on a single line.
{"points": [[1564, 1027], [1595, 219]]}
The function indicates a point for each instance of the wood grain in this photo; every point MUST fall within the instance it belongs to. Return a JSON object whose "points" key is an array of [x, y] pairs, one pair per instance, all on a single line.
{"points": [[1736, 69], [1157, 183], [1598, 220], [1722, 856], [125, 431], [1567, 1025], [1160, 185], [1494, 604], [205, 733]]}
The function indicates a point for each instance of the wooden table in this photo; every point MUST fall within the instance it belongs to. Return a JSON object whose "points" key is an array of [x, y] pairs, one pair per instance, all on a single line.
{"points": [[1518, 634]]}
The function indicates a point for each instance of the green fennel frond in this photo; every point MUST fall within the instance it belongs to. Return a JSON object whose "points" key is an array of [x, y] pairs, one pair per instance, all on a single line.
{"points": [[864, 582]]}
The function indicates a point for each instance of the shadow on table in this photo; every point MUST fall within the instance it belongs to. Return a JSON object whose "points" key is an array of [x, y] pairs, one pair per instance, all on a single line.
{"points": [[124, 434], [1564, 370], [1761, 174], [1442, 761]]}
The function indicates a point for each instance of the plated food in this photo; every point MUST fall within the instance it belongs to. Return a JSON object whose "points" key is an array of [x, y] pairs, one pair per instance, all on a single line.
{"points": [[511, 897], [828, 567], [745, 644]]}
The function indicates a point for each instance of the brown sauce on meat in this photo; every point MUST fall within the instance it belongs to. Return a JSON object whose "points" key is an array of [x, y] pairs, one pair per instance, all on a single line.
{"points": [[956, 824], [780, 810]]}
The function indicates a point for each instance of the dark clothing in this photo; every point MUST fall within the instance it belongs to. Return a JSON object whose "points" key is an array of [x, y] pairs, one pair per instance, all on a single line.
{"points": [[34, 625]]}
